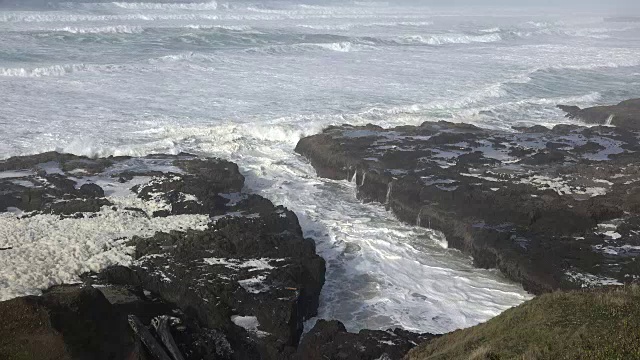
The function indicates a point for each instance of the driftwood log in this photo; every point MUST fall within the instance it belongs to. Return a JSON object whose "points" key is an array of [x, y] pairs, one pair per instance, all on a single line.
{"points": [[161, 324], [148, 340]]}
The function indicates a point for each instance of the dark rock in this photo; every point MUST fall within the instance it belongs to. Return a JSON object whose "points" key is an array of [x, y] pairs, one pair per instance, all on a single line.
{"points": [[67, 322], [74, 206], [569, 109], [260, 267], [625, 115], [243, 285], [92, 190], [589, 147], [536, 129], [329, 340], [508, 199]]}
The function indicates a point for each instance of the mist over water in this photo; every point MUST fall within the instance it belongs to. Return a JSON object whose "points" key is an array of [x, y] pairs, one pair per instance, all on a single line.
{"points": [[246, 81]]}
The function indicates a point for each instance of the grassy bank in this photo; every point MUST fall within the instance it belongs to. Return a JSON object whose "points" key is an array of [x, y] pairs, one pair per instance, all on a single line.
{"points": [[599, 324]]}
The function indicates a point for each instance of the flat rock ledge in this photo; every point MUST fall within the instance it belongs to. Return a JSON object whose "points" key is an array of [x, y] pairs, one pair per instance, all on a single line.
{"points": [[170, 236], [551, 208]]}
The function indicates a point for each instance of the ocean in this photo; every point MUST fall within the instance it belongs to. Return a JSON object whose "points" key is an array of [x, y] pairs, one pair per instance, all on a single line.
{"points": [[245, 81]]}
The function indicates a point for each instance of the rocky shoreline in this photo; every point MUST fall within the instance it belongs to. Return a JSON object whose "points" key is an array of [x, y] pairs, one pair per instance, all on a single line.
{"points": [[229, 272], [551, 208], [167, 257]]}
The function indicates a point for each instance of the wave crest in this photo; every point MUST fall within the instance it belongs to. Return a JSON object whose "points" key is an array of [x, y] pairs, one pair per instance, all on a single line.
{"points": [[54, 70], [62, 70], [166, 6], [342, 47], [445, 39], [118, 29], [365, 25], [222, 27]]}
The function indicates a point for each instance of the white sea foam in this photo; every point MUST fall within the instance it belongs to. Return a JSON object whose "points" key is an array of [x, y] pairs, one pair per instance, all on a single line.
{"points": [[444, 39], [590, 280], [491, 30], [29, 17], [54, 70], [252, 264], [46, 250], [212, 5], [118, 29], [365, 25], [186, 57], [223, 27], [249, 323], [341, 47], [59, 70]]}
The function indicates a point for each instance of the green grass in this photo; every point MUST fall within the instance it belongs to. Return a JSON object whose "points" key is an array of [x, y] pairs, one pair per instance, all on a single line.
{"points": [[597, 324]]}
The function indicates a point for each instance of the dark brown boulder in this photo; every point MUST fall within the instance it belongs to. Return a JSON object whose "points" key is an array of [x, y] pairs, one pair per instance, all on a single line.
{"points": [[67, 322]]}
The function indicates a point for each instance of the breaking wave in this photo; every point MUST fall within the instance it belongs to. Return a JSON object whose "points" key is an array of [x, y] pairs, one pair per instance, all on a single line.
{"points": [[166, 6], [60, 70], [342, 47], [491, 30], [190, 56], [118, 29], [339, 47], [28, 17], [54, 70], [448, 39], [365, 25], [222, 27]]}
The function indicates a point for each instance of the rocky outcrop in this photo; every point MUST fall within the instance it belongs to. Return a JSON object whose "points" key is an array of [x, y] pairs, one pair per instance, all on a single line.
{"points": [[65, 323], [625, 115], [329, 340], [551, 208], [234, 267]]}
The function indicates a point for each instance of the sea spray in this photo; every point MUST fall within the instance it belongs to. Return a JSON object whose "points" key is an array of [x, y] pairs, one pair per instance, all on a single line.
{"points": [[389, 189], [609, 120]]}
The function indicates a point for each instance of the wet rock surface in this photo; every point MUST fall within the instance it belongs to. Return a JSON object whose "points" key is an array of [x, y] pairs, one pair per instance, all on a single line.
{"points": [[330, 340], [625, 114], [178, 237], [551, 208]]}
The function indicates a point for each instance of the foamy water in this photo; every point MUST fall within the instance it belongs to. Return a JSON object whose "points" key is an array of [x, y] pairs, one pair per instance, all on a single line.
{"points": [[247, 81]]}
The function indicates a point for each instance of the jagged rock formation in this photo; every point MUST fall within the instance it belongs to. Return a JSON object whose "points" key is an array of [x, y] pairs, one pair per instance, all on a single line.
{"points": [[232, 261], [551, 208], [159, 237]]}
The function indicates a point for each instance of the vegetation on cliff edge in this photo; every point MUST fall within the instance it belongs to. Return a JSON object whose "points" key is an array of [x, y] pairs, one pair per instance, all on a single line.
{"points": [[595, 324]]}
